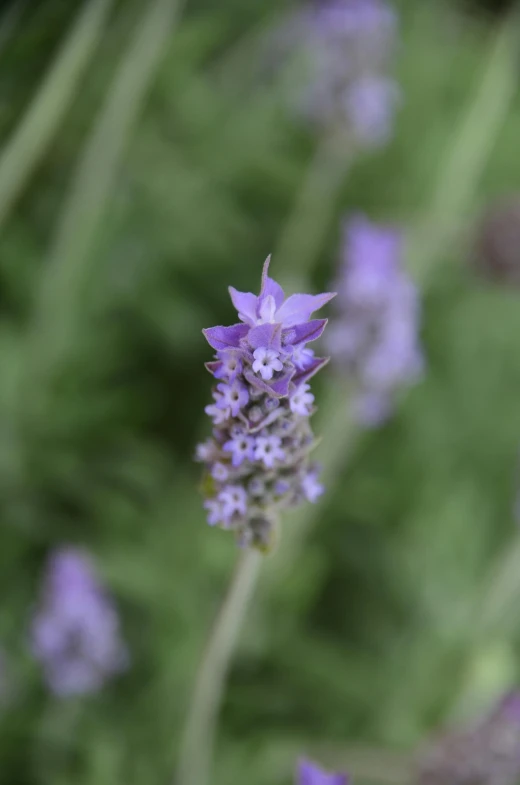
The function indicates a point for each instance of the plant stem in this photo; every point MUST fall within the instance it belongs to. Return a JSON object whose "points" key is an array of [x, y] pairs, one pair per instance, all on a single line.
{"points": [[199, 733], [302, 237], [28, 144], [309, 218]]}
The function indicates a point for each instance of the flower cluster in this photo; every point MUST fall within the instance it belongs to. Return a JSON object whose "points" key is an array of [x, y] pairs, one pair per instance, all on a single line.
{"points": [[375, 335], [257, 462], [486, 754], [348, 46], [75, 633], [310, 774]]}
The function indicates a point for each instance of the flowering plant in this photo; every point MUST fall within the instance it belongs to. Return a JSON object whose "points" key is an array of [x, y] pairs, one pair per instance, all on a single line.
{"points": [[258, 460]]}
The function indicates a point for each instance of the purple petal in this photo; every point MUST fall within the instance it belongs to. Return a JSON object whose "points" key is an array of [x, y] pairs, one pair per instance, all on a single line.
{"points": [[245, 303], [310, 774], [220, 338], [270, 287], [316, 365], [298, 307], [303, 333], [267, 336], [213, 367], [279, 388]]}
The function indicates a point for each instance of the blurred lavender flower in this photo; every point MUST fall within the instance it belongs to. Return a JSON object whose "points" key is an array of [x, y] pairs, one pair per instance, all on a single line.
{"points": [[348, 47], [310, 774], [375, 335], [257, 462], [75, 633], [486, 754]]}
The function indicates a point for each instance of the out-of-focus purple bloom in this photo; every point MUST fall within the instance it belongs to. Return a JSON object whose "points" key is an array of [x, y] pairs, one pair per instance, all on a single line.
{"points": [[268, 449], [375, 337], [348, 46], [487, 753], [257, 462], [370, 105], [308, 773], [312, 489], [75, 632]]}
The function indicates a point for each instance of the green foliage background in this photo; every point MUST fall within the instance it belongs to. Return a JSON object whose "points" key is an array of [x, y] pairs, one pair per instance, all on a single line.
{"points": [[395, 609]]}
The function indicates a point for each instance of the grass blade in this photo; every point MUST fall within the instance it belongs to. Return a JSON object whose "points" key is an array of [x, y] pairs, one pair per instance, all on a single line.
{"points": [[25, 149]]}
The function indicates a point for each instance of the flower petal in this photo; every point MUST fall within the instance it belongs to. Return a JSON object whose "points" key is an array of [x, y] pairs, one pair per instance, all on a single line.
{"points": [[265, 336], [314, 367], [245, 303], [303, 333], [213, 367], [310, 774], [278, 388], [220, 338], [270, 287], [298, 307]]}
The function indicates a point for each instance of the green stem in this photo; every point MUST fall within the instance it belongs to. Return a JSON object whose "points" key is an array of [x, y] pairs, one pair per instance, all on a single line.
{"points": [[27, 146], [67, 269], [310, 216], [303, 234], [198, 739]]}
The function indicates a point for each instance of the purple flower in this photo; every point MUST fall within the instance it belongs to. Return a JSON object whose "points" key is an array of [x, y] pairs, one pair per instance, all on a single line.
{"points": [[214, 508], [228, 365], [485, 753], [233, 499], [302, 357], [261, 437], [369, 105], [375, 337], [347, 47], [301, 400], [218, 413], [309, 773], [75, 633], [312, 489], [220, 472], [205, 451], [266, 363], [268, 449], [241, 448], [233, 397]]}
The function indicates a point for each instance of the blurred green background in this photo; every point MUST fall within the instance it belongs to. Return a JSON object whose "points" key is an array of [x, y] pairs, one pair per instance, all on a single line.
{"points": [[143, 168]]}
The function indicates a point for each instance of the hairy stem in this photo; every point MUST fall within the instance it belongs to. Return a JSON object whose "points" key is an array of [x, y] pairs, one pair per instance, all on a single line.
{"points": [[197, 743]]}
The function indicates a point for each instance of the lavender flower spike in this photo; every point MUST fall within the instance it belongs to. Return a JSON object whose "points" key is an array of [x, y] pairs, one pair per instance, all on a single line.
{"points": [[349, 46], [257, 462], [311, 774], [75, 633], [375, 337]]}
